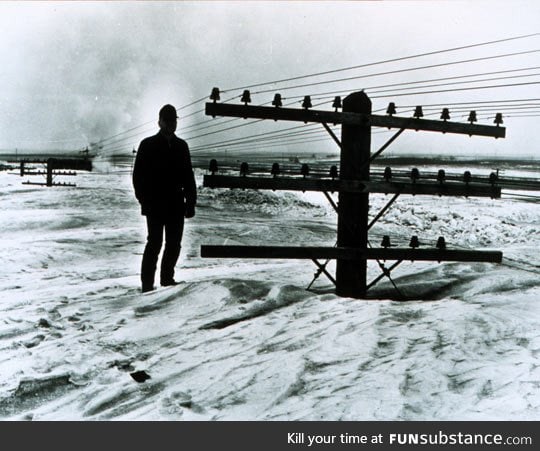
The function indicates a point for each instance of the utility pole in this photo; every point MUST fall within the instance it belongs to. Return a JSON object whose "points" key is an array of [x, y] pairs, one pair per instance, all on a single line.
{"points": [[352, 229], [353, 183]]}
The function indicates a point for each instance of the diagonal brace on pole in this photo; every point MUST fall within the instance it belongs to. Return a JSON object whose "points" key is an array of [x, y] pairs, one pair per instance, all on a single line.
{"points": [[383, 210], [385, 145], [332, 202], [383, 148], [385, 273], [322, 269], [332, 134]]}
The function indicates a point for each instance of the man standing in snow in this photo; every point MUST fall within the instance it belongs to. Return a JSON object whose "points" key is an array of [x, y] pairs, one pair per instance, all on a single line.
{"points": [[165, 187]]}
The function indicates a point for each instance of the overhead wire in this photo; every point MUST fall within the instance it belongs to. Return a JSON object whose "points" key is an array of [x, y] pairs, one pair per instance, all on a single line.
{"points": [[398, 71], [322, 95], [285, 131], [240, 125], [367, 65], [279, 133], [362, 66], [109, 141], [239, 148], [365, 75], [458, 89], [104, 140], [451, 83], [453, 90]]}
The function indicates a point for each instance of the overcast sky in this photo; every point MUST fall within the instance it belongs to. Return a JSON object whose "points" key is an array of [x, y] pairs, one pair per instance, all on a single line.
{"points": [[77, 72]]}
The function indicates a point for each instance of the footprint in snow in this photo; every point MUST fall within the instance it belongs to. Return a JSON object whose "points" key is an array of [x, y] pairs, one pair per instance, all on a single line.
{"points": [[33, 342]]}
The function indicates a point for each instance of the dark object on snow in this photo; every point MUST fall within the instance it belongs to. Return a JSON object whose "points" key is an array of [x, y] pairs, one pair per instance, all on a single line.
{"points": [[387, 173], [213, 168], [441, 243], [140, 376], [244, 169]]}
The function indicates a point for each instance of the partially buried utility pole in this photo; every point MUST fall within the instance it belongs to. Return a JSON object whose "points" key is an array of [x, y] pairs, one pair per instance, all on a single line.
{"points": [[354, 184], [353, 207]]}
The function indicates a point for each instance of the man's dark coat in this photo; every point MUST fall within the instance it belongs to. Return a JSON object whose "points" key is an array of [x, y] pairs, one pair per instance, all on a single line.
{"points": [[163, 177]]}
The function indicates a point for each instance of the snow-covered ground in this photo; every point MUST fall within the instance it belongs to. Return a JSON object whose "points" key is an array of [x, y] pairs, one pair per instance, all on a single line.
{"points": [[244, 340]]}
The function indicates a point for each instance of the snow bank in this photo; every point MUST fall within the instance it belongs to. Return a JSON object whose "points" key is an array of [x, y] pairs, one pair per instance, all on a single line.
{"points": [[244, 340]]}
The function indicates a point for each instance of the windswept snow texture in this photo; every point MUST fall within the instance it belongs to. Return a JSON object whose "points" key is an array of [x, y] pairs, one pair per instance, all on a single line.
{"points": [[244, 340]]}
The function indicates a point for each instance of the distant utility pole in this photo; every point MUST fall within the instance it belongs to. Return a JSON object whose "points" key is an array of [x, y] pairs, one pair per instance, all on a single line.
{"points": [[54, 167]]}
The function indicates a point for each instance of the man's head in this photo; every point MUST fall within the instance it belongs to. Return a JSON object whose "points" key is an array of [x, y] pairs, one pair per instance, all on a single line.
{"points": [[168, 119]]}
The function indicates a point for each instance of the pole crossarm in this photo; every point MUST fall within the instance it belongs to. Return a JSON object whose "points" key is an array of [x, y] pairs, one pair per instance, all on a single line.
{"points": [[30, 172], [47, 184], [344, 253], [352, 186], [321, 116]]}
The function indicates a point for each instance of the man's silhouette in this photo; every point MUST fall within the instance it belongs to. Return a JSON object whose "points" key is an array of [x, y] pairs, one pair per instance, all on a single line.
{"points": [[165, 187]]}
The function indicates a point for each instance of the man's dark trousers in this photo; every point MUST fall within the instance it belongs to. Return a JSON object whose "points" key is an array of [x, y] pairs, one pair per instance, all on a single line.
{"points": [[173, 227]]}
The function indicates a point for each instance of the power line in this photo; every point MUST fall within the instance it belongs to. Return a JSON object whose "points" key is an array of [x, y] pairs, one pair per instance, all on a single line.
{"points": [[129, 137], [259, 135], [418, 82], [101, 141], [525, 115], [418, 68], [455, 83], [382, 96], [361, 66], [261, 143], [280, 132], [435, 85], [397, 71], [470, 75], [504, 108], [269, 145], [363, 76], [283, 139], [248, 145], [149, 130], [149, 122], [457, 89], [472, 104]]}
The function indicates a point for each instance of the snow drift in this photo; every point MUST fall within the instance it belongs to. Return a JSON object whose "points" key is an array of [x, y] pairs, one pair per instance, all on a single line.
{"points": [[244, 340]]}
